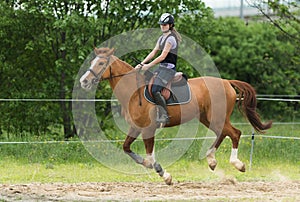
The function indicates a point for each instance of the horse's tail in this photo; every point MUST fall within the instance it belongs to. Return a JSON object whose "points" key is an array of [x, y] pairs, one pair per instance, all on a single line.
{"points": [[247, 105]]}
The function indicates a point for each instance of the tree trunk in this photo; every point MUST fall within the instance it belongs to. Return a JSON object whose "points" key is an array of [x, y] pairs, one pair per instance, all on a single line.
{"points": [[66, 107]]}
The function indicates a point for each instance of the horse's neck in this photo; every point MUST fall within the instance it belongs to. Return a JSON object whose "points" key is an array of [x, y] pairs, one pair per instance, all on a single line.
{"points": [[119, 69], [124, 82]]}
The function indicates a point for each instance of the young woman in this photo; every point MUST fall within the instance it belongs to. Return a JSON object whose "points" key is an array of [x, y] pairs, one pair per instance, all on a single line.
{"points": [[167, 44]]}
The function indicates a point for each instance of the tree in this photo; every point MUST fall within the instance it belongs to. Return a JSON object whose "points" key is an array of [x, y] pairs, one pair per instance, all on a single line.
{"points": [[259, 54], [283, 14], [44, 42]]}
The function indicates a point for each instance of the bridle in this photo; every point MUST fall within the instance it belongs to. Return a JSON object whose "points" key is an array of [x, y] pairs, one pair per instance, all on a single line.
{"points": [[97, 77]]}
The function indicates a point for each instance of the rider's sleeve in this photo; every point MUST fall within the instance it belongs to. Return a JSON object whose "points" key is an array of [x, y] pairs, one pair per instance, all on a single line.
{"points": [[172, 41]]}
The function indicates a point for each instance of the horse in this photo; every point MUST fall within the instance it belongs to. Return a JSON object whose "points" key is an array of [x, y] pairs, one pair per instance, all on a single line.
{"points": [[212, 103]]}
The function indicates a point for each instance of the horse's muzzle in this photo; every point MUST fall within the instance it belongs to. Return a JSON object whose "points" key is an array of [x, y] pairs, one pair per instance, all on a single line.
{"points": [[85, 84], [95, 81]]}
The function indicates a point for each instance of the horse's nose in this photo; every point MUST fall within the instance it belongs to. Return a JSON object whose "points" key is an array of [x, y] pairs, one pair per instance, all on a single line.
{"points": [[83, 78], [95, 81]]}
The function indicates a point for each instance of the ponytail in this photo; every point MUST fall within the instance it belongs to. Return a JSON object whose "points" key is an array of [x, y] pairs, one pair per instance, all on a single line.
{"points": [[178, 36]]}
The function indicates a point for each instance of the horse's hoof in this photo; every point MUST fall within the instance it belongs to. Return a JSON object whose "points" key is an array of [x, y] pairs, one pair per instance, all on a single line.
{"points": [[243, 169], [212, 164], [239, 165], [167, 178], [212, 167]]}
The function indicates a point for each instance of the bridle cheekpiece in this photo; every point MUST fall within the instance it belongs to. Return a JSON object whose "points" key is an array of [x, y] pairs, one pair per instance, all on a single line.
{"points": [[97, 78]]}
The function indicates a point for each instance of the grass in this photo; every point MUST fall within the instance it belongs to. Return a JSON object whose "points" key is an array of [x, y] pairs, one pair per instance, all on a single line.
{"points": [[273, 160], [182, 171]]}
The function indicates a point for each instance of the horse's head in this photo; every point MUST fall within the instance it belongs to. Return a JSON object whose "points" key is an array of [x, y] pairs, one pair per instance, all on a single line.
{"points": [[97, 69]]}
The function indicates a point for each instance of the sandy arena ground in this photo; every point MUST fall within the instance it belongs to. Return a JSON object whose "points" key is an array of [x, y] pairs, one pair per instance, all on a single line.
{"points": [[225, 190]]}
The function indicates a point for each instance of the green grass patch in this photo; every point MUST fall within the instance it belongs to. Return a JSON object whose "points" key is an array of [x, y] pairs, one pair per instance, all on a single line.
{"points": [[273, 159], [182, 171]]}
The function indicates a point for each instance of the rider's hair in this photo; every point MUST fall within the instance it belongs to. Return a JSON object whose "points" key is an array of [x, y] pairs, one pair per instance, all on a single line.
{"points": [[178, 36]]}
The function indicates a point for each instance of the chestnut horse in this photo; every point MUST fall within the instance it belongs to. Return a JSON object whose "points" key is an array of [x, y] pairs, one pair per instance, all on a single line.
{"points": [[212, 102]]}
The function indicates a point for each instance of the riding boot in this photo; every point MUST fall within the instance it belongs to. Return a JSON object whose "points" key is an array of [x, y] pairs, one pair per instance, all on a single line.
{"points": [[163, 117]]}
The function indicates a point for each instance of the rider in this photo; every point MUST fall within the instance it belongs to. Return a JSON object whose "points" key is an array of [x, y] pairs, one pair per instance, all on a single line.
{"points": [[167, 43]]}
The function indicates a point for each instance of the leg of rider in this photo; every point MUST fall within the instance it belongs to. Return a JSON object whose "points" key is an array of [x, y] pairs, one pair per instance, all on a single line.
{"points": [[164, 76], [157, 87], [159, 100]]}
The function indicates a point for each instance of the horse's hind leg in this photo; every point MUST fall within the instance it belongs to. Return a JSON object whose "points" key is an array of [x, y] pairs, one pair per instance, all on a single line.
{"points": [[210, 154], [235, 135]]}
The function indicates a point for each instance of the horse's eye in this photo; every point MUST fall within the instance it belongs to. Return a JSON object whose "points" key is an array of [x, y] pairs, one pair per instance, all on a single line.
{"points": [[101, 63]]}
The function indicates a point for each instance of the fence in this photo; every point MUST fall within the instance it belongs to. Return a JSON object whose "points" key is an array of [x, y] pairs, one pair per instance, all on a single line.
{"points": [[276, 98]]}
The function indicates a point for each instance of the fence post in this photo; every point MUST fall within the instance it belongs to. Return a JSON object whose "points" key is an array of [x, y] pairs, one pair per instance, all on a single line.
{"points": [[252, 147]]}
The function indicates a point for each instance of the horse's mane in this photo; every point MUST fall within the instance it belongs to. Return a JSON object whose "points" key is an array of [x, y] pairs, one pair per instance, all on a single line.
{"points": [[110, 52], [124, 63]]}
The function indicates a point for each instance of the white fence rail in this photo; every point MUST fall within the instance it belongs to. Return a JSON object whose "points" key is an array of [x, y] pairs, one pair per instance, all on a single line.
{"points": [[277, 98]]}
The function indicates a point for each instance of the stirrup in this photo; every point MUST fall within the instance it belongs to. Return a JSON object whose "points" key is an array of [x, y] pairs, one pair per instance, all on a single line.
{"points": [[163, 120]]}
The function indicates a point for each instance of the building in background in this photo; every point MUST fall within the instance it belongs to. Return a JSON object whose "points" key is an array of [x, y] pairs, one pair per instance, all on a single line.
{"points": [[238, 8]]}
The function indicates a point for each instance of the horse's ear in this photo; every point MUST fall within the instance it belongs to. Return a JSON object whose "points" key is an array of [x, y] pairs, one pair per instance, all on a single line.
{"points": [[106, 51], [97, 51], [111, 52]]}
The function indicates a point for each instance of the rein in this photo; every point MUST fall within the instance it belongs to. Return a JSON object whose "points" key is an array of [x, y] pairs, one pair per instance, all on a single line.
{"points": [[97, 78], [138, 80], [120, 75]]}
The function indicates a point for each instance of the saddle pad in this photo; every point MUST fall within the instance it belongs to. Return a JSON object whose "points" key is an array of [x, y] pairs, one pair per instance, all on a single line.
{"points": [[179, 95]]}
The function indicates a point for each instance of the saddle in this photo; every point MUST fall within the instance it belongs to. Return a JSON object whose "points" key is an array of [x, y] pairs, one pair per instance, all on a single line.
{"points": [[177, 90]]}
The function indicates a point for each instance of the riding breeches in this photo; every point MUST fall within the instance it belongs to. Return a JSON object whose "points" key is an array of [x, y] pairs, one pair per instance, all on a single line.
{"points": [[162, 76]]}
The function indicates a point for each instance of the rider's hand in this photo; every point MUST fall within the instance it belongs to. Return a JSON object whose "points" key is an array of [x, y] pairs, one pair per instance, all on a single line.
{"points": [[139, 67], [145, 67]]}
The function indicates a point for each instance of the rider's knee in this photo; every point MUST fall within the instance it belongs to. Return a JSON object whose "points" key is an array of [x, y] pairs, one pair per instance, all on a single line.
{"points": [[155, 89]]}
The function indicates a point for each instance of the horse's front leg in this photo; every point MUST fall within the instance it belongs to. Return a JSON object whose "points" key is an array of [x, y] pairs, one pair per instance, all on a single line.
{"points": [[150, 162], [131, 137]]}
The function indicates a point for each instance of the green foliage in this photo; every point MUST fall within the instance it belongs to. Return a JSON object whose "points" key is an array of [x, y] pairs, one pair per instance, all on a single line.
{"points": [[43, 150], [43, 44], [38, 161], [259, 54], [283, 15]]}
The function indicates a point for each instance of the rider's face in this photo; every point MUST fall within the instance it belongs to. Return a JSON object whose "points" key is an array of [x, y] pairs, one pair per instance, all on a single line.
{"points": [[164, 27]]}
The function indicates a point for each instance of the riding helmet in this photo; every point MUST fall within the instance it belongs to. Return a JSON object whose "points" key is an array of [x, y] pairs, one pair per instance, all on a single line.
{"points": [[166, 18]]}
